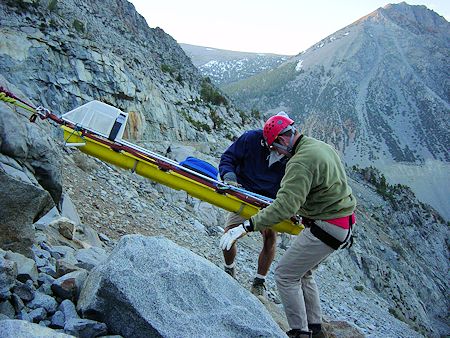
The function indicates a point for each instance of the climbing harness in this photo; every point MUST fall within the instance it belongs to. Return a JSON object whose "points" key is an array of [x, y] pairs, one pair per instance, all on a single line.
{"points": [[328, 239]]}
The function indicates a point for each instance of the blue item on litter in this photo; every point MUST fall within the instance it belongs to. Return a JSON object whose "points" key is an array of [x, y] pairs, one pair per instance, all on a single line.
{"points": [[200, 166]]}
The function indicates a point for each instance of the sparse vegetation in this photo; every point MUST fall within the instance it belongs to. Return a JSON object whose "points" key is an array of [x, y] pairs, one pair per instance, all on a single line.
{"points": [[217, 120], [53, 23], [243, 116], [201, 126], [52, 5], [359, 287], [209, 94], [78, 25], [256, 114], [22, 5], [378, 180], [167, 69], [269, 83], [396, 313]]}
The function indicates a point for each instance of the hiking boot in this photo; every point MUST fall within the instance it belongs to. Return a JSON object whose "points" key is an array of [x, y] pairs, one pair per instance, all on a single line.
{"points": [[230, 271], [320, 334], [296, 333], [318, 331], [259, 288]]}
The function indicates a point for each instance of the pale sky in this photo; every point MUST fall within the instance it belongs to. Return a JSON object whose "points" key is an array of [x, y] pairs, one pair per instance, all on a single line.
{"points": [[262, 26]]}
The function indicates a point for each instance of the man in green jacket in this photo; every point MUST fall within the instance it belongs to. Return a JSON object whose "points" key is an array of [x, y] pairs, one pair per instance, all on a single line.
{"points": [[315, 187]]}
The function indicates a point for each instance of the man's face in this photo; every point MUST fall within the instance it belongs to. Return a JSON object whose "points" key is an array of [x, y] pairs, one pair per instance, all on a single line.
{"points": [[278, 154], [282, 140]]}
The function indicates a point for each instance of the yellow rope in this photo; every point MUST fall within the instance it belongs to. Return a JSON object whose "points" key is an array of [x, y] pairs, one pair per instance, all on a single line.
{"points": [[7, 99]]}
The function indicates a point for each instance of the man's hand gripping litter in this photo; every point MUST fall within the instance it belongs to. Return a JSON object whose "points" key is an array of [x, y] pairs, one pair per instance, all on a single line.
{"points": [[232, 235]]}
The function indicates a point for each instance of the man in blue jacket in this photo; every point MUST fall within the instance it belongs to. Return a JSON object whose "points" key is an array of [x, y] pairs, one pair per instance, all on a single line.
{"points": [[248, 163]]}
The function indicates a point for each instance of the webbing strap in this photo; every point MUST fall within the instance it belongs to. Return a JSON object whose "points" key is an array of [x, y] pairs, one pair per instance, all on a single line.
{"points": [[328, 239], [325, 237], [240, 209]]}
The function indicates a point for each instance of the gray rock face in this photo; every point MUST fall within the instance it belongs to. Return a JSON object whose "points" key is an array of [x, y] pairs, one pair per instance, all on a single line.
{"points": [[43, 301], [68, 309], [149, 286], [30, 178], [21, 202], [8, 274], [85, 328], [26, 267], [166, 103], [69, 285], [33, 145]]}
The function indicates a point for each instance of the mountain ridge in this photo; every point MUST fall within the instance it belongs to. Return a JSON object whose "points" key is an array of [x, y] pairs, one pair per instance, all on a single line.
{"points": [[377, 89], [226, 66]]}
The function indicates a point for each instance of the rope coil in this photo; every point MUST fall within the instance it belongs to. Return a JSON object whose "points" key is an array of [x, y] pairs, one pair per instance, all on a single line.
{"points": [[9, 97]]}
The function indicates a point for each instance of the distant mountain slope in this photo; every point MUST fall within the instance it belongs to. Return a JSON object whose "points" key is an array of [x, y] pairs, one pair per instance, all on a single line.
{"points": [[379, 90], [381, 84], [225, 66]]}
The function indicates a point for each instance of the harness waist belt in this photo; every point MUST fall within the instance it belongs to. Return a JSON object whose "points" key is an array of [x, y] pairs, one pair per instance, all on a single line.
{"points": [[325, 237]]}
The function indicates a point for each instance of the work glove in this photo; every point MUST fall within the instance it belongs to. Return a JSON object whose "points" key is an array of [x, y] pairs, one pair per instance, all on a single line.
{"points": [[230, 178], [228, 238]]}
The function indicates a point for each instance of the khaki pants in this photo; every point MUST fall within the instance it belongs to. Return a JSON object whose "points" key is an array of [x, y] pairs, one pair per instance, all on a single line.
{"points": [[295, 276]]}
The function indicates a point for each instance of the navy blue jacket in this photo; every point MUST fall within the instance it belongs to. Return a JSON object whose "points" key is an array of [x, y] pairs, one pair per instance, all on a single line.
{"points": [[247, 158]]}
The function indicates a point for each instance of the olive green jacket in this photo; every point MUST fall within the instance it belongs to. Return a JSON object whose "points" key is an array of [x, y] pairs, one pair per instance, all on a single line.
{"points": [[314, 186]]}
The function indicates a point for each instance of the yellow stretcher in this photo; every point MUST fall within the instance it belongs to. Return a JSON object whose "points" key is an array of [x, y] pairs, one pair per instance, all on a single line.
{"points": [[125, 157], [97, 128]]}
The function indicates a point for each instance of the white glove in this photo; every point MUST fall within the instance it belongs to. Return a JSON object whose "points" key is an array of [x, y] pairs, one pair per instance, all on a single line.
{"points": [[227, 240]]}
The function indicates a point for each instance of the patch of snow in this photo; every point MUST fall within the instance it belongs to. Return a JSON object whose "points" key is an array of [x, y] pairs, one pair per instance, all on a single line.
{"points": [[211, 63], [321, 45], [346, 33], [299, 65], [210, 49]]}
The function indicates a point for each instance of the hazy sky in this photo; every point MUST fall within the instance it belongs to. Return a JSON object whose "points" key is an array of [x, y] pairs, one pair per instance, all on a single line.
{"points": [[264, 26]]}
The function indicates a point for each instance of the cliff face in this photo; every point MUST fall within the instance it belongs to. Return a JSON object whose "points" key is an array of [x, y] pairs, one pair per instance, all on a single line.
{"points": [[62, 54]]}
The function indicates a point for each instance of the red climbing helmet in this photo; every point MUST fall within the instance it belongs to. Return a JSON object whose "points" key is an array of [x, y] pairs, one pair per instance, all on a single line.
{"points": [[275, 125]]}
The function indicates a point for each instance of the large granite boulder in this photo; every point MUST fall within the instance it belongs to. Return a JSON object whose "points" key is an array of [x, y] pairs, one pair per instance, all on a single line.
{"points": [[22, 201], [151, 287], [30, 175], [32, 145]]}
